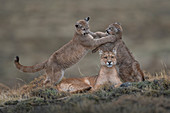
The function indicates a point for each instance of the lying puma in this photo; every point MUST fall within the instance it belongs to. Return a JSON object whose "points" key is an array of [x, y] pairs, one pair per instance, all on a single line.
{"points": [[129, 68], [107, 74], [67, 55]]}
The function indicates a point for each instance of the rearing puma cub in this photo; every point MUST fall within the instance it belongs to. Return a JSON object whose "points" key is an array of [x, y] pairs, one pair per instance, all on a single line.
{"points": [[67, 55], [129, 68]]}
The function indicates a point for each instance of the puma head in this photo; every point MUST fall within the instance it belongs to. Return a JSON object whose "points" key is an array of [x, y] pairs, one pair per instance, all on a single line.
{"points": [[108, 58], [114, 29], [82, 26]]}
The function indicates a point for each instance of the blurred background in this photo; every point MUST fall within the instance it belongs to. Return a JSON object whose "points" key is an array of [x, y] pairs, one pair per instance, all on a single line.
{"points": [[34, 29]]}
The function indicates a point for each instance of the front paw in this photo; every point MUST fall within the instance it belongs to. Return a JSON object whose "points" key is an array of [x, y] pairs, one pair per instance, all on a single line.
{"points": [[91, 33]]}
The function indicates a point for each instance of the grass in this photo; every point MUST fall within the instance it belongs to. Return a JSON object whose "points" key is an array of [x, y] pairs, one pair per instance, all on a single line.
{"points": [[152, 95]]}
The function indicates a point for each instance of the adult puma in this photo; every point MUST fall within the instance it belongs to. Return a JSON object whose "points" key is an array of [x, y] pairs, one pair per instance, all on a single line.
{"points": [[107, 74], [129, 68], [67, 55]]}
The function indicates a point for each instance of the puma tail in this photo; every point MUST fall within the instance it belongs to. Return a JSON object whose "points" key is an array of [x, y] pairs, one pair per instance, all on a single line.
{"points": [[29, 69]]}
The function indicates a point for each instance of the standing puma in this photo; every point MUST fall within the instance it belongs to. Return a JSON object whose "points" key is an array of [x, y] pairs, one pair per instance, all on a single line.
{"points": [[129, 68], [107, 74], [67, 55]]}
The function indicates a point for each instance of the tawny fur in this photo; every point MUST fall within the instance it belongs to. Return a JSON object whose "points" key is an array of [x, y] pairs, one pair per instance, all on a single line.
{"points": [[67, 55], [107, 75], [129, 68]]}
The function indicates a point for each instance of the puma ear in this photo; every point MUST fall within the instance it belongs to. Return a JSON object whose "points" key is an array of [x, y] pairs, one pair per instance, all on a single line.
{"points": [[87, 19], [100, 52], [76, 25], [117, 23], [114, 51]]}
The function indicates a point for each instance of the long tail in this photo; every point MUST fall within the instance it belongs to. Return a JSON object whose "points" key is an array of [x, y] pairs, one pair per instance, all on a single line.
{"points": [[29, 69]]}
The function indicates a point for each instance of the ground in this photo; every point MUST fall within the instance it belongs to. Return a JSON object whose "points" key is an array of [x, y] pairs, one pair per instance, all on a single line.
{"points": [[152, 96]]}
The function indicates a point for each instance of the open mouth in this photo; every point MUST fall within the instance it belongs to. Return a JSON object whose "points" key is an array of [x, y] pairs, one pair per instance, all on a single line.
{"points": [[85, 33], [110, 65], [107, 32]]}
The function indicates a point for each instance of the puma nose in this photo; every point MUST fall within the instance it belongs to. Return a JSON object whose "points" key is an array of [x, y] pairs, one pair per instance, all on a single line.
{"points": [[109, 62]]}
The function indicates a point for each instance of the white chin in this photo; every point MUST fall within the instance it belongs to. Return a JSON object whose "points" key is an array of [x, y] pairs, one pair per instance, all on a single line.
{"points": [[109, 65]]}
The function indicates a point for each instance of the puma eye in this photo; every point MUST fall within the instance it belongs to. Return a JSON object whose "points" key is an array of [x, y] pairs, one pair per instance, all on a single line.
{"points": [[83, 29], [112, 56], [110, 28], [105, 57]]}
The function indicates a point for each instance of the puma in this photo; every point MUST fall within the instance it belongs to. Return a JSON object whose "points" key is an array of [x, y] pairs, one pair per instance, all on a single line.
{"points": [[129, 68], [68, 55]]}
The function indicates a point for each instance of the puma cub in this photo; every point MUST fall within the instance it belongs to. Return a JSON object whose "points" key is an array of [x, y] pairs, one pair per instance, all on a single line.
{"points": [[67, 55], [107, 74], [129, 68]]}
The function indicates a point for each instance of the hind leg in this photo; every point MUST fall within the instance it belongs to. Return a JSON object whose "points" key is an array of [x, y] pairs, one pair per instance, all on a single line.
{"points": [[53, 76], [73, 86], [57, 77], [138, 72], [47, 79]]}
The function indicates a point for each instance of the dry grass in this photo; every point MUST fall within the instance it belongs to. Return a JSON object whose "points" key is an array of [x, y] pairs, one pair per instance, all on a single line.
{"points": [[152, 95]]}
